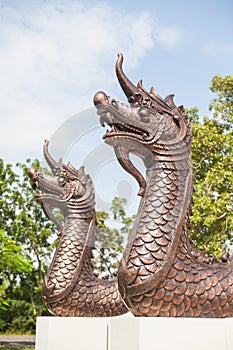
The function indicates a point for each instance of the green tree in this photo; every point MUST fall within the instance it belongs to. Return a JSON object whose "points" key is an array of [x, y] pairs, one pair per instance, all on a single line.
{"points": [[12, 261], [212, 155], [24, 241], [111, 240]]}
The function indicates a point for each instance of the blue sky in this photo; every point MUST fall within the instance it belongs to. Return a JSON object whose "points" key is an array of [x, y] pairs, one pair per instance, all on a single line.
{"points": [[54, 55]]}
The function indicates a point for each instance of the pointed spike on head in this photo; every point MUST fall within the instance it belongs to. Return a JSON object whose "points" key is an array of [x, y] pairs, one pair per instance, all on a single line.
{"points": [[62, 165], [179, 112], [169, 101], [73, 170], [139, 85], [120, 58], [54, 166], [180, 109], [81, 173], [127, 86], [153, 92]]}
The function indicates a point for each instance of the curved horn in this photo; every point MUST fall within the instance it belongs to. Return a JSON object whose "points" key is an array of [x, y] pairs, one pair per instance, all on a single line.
{"points": [[127, 86], [51, 162]]}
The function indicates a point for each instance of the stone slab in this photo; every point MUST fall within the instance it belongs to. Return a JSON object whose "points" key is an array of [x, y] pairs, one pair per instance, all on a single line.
{"points": [[71, 333], [170, 333], [133, 333]]}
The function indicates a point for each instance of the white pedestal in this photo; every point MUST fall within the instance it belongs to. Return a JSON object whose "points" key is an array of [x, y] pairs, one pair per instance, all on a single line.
{"points": [[171, 334], [71, 333], [131, 333]]}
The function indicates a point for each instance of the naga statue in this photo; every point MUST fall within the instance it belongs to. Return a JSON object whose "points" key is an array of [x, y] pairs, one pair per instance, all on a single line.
{"points": [[71, 288], [160, 273]]}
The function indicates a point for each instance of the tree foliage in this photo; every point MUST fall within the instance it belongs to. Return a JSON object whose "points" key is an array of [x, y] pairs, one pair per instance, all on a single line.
{"points": [[212, 151], [12, 261], [112, 234], [24, 241]]}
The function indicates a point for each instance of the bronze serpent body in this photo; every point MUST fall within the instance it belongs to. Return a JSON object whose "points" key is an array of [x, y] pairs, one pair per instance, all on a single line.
{"points": [[71, 287], [160, 274]]}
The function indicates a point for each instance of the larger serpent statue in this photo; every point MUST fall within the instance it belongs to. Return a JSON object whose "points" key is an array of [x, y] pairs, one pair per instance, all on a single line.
{"points": [[160, 274]]}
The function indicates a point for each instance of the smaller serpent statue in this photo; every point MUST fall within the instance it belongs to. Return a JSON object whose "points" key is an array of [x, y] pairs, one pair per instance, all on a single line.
{"points": [[71, 287], [160, 274]]}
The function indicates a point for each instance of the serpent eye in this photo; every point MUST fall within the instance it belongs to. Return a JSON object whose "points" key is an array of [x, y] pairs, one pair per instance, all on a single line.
{"points": [[144, 114], [114, 104], [61, 181]]}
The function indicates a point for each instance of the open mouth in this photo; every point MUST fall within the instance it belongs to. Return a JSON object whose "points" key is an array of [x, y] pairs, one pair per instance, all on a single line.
{"points": [[118, 128], [44, 189], [47, 194], [124, 121], [123, 130]]}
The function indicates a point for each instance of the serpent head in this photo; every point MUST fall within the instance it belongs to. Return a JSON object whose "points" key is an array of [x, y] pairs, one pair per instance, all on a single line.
{"points": [[151, 127], [68, 189]]}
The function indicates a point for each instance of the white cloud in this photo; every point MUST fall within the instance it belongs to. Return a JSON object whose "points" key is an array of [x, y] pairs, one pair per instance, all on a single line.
{"points": [[53, 57]]}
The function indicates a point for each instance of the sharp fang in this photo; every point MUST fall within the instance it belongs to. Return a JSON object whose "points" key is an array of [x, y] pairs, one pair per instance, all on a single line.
{"points": [[102, 121]]}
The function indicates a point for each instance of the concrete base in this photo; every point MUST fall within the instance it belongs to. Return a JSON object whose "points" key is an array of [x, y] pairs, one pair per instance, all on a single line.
{"points": [[131, 333], [71, 333]]}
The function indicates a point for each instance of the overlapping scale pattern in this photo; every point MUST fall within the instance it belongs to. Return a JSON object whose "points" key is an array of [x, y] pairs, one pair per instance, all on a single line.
{"points": [[189, 290], [88, 296], [71, 287], [157, 227], [67, 255]]}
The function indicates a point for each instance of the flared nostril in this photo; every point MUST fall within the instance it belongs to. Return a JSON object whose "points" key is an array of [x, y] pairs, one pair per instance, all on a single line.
{"points": [[100, 98]]}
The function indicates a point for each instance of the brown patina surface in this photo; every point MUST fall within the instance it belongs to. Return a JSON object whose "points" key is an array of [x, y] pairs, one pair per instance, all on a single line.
{"points": [[71, 288], [160, 273]]}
